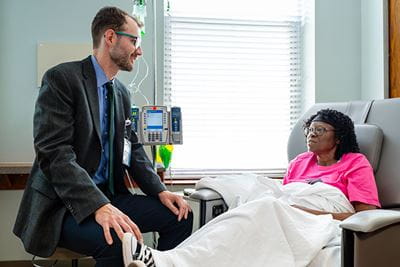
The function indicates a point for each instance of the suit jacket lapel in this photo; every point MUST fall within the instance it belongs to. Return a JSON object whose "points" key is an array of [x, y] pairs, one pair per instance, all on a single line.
{"points": [[90, 83]]}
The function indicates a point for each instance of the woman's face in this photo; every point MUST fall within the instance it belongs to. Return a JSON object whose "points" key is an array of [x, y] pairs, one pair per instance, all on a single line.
{"points": [[321, 138]]}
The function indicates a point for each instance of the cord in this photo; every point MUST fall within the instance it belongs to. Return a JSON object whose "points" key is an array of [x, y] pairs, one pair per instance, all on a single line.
{"points": [[130, 183], [136, 88]]}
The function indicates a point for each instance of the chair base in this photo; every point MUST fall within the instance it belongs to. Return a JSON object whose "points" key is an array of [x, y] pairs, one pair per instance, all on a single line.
{"points": [[63, 254]]}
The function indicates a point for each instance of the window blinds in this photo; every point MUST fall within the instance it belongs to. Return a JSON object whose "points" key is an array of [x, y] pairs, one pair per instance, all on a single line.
{"points": [[238, 84]]}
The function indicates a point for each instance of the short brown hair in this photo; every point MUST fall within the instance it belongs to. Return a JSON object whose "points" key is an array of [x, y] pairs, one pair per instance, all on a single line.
{"points": [[109, 18]]}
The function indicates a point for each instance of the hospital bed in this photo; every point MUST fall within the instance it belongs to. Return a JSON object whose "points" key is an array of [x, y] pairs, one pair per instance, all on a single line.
{"points": [[369, 238]]}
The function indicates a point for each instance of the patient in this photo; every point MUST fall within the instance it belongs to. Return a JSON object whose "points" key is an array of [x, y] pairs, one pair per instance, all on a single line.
{"points": [[269, 231]]}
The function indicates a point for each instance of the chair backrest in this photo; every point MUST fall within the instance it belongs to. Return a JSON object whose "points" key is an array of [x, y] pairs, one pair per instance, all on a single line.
{"points": [[380, 134], [385, 114], [369, 138]]}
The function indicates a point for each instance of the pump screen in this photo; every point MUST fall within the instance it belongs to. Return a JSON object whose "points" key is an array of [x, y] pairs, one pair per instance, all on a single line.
{"points": [[154, 120]]}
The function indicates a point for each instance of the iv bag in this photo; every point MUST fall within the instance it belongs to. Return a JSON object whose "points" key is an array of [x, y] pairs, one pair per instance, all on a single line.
{"points": [[139, 10]]}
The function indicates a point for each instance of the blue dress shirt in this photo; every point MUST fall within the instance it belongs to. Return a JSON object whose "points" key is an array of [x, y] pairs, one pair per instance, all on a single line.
{"points": [[101, 175]]}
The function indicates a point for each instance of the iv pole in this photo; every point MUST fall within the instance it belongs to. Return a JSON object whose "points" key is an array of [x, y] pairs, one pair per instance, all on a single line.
{"points": [[153, 147]]}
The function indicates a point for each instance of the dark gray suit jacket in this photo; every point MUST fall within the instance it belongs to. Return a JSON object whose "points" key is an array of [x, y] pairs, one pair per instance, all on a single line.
{"points": [[68, 150]]}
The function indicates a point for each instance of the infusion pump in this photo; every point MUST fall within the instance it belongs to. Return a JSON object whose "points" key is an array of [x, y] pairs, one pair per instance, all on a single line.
{"points": [[156, 125]]}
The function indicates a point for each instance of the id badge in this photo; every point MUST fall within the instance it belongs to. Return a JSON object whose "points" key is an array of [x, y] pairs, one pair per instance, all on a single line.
{"points": [[126, 159]]}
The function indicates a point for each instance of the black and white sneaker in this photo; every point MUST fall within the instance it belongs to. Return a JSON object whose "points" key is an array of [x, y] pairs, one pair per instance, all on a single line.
{"points": [[136, 254]]}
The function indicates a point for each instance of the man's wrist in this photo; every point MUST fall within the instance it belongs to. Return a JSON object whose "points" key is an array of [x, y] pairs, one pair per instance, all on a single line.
{"points": [[100, 208]]}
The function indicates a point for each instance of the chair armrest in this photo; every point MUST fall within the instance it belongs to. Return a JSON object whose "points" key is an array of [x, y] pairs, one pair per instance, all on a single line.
{"points": [[205, 194], [370, 220]]}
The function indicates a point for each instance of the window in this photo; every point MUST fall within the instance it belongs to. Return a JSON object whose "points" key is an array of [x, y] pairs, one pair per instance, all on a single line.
{"points": [[235, 72]]}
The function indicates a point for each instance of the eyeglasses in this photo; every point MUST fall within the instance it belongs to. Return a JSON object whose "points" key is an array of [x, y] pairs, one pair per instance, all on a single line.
{"points": [[317, 131], [136, 40]]}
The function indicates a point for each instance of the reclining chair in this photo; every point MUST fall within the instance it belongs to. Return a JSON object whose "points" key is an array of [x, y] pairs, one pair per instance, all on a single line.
{"points": [[369, 238]]}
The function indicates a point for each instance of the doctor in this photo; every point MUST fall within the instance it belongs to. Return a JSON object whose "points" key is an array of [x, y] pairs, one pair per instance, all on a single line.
{"points": [[76, 197]]}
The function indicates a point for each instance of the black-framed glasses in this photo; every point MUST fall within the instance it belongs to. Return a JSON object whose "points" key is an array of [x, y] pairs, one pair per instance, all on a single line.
{"points": [[317, 130], [136, 40]]}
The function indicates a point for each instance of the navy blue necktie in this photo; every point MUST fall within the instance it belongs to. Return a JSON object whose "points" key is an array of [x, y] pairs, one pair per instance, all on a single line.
{"points": [[111, 111]]}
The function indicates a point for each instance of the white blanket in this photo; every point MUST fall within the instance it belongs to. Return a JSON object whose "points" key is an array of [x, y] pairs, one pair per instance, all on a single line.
{"points": [[261, 228], [239, 189]]}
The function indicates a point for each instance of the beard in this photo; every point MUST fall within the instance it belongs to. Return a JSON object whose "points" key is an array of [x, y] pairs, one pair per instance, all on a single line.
{"points": [[121, 58]]}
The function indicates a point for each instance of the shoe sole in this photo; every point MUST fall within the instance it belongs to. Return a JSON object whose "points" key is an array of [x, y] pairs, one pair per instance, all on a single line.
{"points": [[137, 264], [127, 253]]}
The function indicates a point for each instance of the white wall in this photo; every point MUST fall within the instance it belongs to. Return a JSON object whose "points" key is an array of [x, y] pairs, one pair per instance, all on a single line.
{"points": [[11, 247], [374, 49], [337, 50], [351, 51], [308, 56]]}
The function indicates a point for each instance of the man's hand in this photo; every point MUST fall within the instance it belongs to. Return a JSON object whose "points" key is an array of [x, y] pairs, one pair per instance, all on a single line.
{"points": [[175, 203], [109, 216]]}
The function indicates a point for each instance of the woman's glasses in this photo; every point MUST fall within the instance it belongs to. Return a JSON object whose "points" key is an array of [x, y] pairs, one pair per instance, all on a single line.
{"points": [[317, 130]]}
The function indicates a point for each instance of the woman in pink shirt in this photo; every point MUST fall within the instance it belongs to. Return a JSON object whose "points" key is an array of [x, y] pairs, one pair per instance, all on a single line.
{"points": [[333, 158]]}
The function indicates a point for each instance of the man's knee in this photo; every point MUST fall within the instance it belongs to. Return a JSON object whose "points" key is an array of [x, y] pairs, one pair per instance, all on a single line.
{"points": [[188, 222], [175, 232], [185, 225]]}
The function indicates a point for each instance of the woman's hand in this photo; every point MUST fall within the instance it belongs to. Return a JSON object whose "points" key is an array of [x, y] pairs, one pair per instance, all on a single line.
{"points": [[338, 216]]}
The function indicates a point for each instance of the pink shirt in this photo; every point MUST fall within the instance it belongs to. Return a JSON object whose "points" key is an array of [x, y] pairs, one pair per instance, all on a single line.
{"points": [[352, 174]]}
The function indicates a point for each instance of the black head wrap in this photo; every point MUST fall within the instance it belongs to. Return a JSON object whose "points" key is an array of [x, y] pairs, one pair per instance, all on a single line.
{"points": [[324, 118]]}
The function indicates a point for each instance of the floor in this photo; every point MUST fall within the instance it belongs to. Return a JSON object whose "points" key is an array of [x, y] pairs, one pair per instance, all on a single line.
{"points": [[82, 263]]}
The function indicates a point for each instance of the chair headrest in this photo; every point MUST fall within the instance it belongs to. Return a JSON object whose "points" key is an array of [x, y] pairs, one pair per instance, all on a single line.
{"points": [[369, 138]]}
